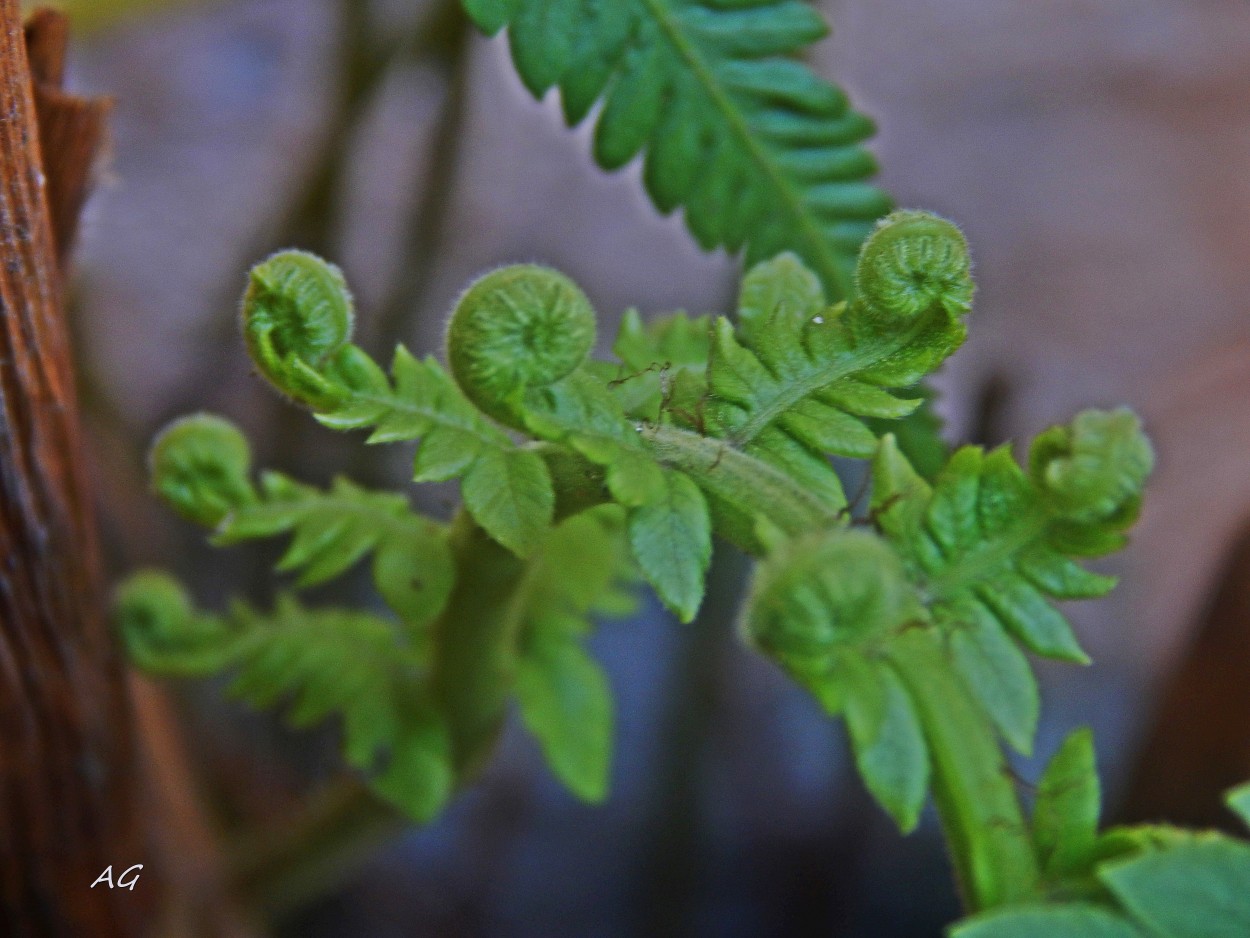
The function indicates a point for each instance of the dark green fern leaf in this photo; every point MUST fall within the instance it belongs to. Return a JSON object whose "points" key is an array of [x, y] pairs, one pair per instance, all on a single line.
{"points": [[759, 151]]}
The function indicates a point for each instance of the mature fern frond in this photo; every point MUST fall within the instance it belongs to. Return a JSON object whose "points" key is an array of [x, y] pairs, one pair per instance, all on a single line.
{"points": [[758, 150], [324, 662]]}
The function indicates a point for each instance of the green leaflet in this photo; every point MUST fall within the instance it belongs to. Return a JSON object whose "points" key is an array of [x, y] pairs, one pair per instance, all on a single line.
{"points": [[324, 662], [757, 149], [1065, 816], [332, 531], [1058, 921], [987, 543], [888, 740], [564, 697], [797, 380], [506, 489], [672, 541], [567, 704], [1199, 889], [1173, 883]]}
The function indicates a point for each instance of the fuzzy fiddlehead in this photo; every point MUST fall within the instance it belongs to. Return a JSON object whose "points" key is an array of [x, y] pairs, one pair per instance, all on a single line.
{"points": [[913, 262], [297, 316], [514, 330], [200, 465]]}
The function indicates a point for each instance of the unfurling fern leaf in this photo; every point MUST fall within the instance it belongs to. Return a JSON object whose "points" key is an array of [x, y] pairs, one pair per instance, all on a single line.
{"points": [[758, 150], [297, 315], [325, 662], [991, 544], [412, 563]]}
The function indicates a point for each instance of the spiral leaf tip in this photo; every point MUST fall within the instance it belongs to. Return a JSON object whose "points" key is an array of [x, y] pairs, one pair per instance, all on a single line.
{"points": [[517, 328], [200, 466], [296, 314], [827, 591], [1094, 468], [913, 262]]}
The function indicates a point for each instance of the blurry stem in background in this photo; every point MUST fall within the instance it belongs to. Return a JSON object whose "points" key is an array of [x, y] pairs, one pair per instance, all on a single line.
{"points": [[672, 832], [448, 33], [311, 220], [284, 864]]}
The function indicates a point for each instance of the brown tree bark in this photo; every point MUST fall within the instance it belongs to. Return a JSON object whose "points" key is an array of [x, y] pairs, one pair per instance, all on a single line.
{"points": [[67, 750]]}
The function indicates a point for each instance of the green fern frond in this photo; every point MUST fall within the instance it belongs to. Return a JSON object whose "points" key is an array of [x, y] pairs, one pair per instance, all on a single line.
{"points": [[991, 546], [321, 663], [333, 530], [506, 489], [201, 466], [759, 151], [564, 696]]}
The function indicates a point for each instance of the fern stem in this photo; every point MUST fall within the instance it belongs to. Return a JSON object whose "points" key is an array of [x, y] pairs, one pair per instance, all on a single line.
{"points": [[989, 840], [473, 641], [742, 480]]}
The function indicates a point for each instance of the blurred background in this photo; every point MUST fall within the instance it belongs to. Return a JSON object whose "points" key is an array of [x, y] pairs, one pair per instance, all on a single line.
{"points": [[1097, 152]]}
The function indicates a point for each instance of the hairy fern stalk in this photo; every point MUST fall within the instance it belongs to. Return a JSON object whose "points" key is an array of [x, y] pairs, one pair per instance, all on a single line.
{"points": [[912, 621]]}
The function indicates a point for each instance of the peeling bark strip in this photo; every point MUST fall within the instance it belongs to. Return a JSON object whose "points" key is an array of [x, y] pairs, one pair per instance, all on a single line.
{"points": [[66, 747], [71, 128]]}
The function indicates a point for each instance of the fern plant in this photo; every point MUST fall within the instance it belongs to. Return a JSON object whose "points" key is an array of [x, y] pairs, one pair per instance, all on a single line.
{"points": [[909, 616]]}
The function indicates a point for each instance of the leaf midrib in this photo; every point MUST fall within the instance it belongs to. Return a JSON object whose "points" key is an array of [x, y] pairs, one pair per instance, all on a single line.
{"points": [[795, 390], [832, 273]]}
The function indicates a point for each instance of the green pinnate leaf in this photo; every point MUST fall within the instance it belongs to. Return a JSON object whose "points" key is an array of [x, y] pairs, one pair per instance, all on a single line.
{"points": [[1065, 816], [1196, 889], [566, 703], [797, 373], [996, 672], [508, 492], [671, 537], [992, 547], [759, 151], [889, 744], [321, 663], [1033, 620], [333, 530]]}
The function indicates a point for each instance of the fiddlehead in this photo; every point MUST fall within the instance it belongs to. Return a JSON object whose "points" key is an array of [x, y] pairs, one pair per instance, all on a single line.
{"points": [[516, 329], [201, 465], [297, 316], [912, 262]]}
